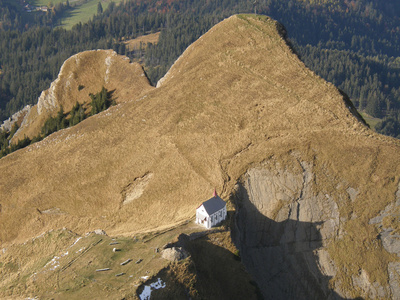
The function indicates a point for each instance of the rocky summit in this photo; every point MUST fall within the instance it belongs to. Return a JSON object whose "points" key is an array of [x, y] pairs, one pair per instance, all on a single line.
{"points": [[315, 192]]}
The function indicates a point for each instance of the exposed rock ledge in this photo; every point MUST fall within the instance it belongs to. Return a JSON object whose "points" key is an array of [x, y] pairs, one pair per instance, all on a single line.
{"points": [[15, 118], [284, 228], [281, 229]]}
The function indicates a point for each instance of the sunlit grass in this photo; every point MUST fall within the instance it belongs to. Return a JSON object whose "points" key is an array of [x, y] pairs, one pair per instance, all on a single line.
{"points": [[81, 11], [370, 120], [47, 2]]}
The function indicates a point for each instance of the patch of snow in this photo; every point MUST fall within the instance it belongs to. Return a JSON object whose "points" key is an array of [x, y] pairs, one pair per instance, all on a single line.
{"points": [[40, 235], [34, 276], [70, 137], [53, 263], [80, 250], [145, 295], [141, 98], [77, 240]]}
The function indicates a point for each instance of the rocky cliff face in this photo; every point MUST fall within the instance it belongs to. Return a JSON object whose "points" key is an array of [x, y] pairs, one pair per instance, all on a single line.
{"points": [[283, 227], [286, 229]]}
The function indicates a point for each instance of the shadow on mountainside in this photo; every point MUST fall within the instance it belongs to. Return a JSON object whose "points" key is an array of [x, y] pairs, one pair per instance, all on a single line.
{"points": [[211, 271], [280, 255], [221, 274]]}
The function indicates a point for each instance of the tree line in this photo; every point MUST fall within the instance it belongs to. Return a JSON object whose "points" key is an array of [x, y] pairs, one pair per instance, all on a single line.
{"points": [[99, 102]]}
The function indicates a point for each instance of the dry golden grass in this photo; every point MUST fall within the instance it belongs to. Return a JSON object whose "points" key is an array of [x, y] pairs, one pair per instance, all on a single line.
{"points": [[235, 98], [143, 40], [62, 265], [82, 74]]}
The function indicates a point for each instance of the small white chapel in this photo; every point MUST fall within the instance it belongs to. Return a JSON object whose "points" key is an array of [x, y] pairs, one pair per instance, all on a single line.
{"points": [[211, 212]]}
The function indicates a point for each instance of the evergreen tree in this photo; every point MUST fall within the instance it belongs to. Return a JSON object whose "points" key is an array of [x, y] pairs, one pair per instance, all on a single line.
{"points": [[99, 9]]}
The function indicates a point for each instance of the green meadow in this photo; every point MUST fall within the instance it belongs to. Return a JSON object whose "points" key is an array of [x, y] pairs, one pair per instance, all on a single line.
{"points": [[81, 11], [370, 120]]}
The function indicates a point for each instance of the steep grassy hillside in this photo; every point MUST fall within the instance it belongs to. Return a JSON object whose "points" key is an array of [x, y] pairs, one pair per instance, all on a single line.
{"points": [[81, 75], [315, 189]]}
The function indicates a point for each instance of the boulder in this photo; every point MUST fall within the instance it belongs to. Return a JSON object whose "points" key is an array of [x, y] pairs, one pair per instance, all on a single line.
{"points": [[174, 254]]}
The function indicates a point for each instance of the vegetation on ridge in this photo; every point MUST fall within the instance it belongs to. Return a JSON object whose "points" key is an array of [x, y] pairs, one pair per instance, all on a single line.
{"points": [[100, 101]]}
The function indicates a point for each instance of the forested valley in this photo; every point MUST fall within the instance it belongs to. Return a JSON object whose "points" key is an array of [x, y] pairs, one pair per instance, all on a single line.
{"points": [[352, 43]]}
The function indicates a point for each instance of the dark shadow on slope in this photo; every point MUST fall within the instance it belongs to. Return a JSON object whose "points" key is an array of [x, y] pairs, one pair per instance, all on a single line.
{"points": [[352, 108], [280, 255], [171, 287], [221, 274], [71, 12], [211, 270]]}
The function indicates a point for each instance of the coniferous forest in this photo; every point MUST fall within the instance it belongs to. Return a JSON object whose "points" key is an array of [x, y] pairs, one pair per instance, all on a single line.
{"points": [[352, 43]]}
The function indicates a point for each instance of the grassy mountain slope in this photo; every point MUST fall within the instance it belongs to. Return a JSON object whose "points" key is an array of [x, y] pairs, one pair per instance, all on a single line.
{"points": [[83, 74], [237, 99]]}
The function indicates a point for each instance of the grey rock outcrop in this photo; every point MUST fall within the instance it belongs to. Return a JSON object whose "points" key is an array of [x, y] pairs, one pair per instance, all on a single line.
{"points": [[100, 232], [174, 254], [282, 225], [389, 237], [394, 278], [285, 224], [9, 123]]}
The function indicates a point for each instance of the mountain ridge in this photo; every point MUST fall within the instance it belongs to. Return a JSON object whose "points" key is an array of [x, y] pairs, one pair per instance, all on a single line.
{"points": [[237, 101], [83, 74]]}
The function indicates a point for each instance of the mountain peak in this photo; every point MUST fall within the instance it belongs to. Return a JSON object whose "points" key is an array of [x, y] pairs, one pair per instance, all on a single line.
{"points": [[249, 55]]}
